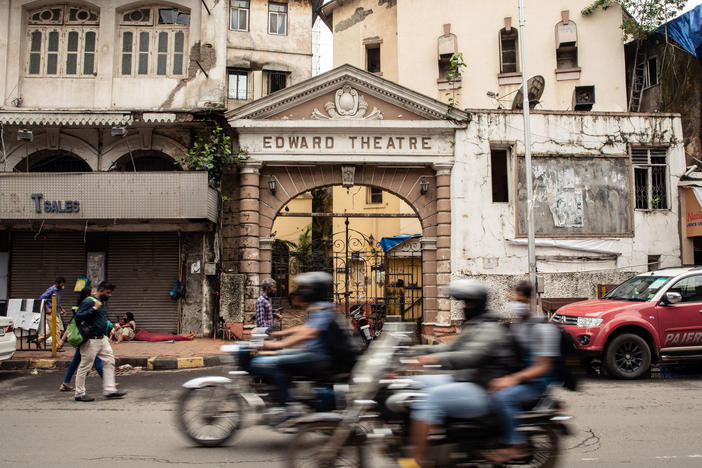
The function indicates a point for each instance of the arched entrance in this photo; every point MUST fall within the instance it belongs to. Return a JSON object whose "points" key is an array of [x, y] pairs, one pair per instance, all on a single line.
{"points": [[48, 160], [367, 238], [345, 128]]}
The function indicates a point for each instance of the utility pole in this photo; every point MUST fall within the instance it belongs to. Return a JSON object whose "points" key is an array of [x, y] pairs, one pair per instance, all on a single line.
{"points": [[527, 156]]}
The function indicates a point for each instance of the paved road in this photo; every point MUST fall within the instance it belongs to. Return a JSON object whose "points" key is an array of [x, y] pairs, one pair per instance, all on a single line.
{"points": [[644, 424]]}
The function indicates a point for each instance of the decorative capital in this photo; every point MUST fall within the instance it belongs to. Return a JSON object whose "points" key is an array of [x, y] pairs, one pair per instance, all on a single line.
{"points": [[348, 174]]}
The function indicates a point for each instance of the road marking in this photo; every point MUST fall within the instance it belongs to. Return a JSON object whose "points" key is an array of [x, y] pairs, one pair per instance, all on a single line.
{"points": [[667, 457], [589, 459]]}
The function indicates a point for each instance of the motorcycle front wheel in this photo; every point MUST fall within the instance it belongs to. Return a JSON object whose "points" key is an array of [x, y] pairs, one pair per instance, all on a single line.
{"points": [[209, 416], [304, 450]]}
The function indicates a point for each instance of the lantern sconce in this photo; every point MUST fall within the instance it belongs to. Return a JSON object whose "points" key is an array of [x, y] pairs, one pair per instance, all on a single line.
{"points": [[424, 184], [271, 184]]}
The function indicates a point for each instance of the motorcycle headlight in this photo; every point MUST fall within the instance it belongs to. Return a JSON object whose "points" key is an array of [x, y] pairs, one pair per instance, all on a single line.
{"points": [[586, 322]]}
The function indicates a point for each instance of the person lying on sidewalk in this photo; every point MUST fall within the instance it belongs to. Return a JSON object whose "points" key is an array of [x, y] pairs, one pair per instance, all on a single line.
{"points": [[129, 332]]}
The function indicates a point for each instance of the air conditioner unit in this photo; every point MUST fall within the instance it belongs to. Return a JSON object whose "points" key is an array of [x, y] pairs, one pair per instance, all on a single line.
{"points": [[583, 98]]}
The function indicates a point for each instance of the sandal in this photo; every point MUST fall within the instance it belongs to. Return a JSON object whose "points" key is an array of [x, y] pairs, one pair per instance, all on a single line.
{"points": [[65, 387]]}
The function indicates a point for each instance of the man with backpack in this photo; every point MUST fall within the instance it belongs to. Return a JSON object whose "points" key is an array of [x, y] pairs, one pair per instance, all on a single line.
{"points": [[93, 313], [539, 344], [316, 355]]}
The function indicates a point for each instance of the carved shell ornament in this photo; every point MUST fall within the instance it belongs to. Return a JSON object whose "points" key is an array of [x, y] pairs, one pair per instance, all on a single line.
{"points": [[347, 105]]}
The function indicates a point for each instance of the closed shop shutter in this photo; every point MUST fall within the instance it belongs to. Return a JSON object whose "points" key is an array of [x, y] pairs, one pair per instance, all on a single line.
{"points": [[36, 263], [143, 267]]}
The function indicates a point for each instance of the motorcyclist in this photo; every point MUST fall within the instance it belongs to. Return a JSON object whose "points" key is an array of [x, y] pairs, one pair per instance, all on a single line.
{"points": [[481, 353], [541, 342], [312, 353]]}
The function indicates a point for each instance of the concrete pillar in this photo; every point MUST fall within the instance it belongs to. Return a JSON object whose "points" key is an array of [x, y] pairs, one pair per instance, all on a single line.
{"points": [[443, 242], [266, 257], [429, 288], [249, 176]]}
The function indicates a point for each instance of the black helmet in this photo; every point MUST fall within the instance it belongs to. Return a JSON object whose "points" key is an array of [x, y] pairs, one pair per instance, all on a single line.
{"points": [[314, 286], [473, 294]]}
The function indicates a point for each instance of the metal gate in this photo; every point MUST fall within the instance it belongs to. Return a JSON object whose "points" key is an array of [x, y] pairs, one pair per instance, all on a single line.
{"points": [[384, 283]]}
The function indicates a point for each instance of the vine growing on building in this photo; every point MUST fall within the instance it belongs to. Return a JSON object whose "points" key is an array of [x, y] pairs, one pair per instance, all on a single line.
{"points": [[212, 152], [454, 77], [644, 16]]}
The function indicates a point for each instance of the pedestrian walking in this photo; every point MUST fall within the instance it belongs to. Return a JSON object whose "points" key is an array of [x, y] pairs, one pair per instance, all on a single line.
{"points": [[93, 312], [53, 289], [265, 317]]}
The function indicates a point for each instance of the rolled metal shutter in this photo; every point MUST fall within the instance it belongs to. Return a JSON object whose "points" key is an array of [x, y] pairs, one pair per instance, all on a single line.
{"points": [[143, 267], [36, 263]]}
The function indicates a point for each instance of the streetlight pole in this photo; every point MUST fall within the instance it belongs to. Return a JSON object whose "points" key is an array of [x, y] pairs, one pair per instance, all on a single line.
{"points": [[527, 156]]}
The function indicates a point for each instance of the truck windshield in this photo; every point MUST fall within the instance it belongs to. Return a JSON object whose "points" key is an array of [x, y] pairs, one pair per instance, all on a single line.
{"points": [[638, 288]]}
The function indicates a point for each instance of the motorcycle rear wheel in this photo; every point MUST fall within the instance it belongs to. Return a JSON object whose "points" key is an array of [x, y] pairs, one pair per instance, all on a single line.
{"points": [[209, 416], [544, 444], [303, 451]]}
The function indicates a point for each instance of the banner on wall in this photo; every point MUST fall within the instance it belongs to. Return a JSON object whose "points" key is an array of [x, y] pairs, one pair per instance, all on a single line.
{"points": [[693, 212]]}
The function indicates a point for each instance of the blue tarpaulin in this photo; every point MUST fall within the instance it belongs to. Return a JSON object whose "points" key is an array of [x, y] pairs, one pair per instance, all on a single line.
{"points": [[686, 30], [387, 243]]}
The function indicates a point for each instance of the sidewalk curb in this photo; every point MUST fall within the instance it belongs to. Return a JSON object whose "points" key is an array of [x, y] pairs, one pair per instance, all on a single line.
{"points": [[152, 363]]}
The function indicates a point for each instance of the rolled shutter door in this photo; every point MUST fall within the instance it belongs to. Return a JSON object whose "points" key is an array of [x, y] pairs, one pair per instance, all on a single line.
{"points": [[143, 267], [36, 263]]}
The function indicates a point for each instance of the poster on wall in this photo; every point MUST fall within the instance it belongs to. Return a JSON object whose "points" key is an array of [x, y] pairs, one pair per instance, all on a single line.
{"points": [[693, 212], [572, 192]]}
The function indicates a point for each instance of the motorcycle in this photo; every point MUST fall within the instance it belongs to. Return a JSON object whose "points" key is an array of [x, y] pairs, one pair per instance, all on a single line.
{"points": [[379, 417], [361, 323], [211, 410]]}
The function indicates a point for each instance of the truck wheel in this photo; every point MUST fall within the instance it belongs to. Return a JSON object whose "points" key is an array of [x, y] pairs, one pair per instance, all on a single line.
{"points": [[628, 357]]}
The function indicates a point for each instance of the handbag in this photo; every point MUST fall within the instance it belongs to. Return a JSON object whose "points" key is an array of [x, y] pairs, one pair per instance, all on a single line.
{"points": [[75, 334]]}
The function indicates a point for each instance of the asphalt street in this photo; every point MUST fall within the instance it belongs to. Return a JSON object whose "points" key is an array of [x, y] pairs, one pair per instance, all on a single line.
{"points": [[648, 423]]}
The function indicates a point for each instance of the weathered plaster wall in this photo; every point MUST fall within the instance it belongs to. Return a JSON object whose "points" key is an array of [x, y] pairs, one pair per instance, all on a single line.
{"points": [[367, 20], [256, 50], [410, 31], [196, 308], [206, 44], [231, 300], [482, 228]]}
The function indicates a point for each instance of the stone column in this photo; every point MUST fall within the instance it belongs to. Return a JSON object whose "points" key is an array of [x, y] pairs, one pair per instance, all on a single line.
{"points": [[249, 247], [430, 294], [266, 257], [443, 242]]}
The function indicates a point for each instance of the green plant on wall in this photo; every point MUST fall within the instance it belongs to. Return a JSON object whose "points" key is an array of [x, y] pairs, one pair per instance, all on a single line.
{"points": [[454, 76], [212, 152], [644, 16]]}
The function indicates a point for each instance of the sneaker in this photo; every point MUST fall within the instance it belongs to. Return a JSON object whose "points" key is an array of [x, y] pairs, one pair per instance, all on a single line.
{"points": [[115, 395], [84, 398]]}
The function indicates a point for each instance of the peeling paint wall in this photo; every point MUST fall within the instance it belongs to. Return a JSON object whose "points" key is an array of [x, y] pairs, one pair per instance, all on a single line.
{"points": [[482, 228], [409, 53], [203, 85], [196, 308], [256, 50], [367, 20]]}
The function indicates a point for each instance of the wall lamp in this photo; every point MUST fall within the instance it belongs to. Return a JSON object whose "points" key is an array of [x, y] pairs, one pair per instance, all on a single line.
{"points": [[271, 184], [118, 131], [424, 185], [25, 135]]}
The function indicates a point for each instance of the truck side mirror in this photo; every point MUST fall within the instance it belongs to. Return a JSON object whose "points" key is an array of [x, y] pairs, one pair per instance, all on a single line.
{"points": [[671, 298]]}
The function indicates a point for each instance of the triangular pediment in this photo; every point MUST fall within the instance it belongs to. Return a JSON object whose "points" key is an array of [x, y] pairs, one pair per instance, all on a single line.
{"points": [[347, 93]]}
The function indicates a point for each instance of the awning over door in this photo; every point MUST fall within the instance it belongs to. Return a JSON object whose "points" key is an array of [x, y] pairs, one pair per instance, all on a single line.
{"points": [[143, 267]]}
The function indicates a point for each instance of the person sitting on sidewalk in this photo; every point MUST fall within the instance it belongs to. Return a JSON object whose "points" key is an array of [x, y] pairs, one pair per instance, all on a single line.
{"points": [[125, 329]]}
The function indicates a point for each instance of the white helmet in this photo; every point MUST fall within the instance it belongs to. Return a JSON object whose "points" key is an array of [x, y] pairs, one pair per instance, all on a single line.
{"points": [[471, 292]]}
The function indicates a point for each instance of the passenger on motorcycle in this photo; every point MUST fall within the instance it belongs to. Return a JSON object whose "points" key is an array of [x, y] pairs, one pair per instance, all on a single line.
{"points": [[540, 342], [480, 354], [311, 356]]}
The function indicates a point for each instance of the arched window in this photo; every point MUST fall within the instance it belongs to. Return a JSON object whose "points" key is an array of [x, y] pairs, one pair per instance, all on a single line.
{"points": [[62, 40], [52, 161], [153, 41], [145, 161], [508, 50]]}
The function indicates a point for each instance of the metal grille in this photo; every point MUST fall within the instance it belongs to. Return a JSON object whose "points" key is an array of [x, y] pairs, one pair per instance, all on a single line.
{"points": [[382, 283], [650, 177], [143, 267], [564, 319]]}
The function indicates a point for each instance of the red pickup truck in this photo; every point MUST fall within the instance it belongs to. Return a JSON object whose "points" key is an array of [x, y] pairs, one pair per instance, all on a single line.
{"points": [[652, 317]]}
